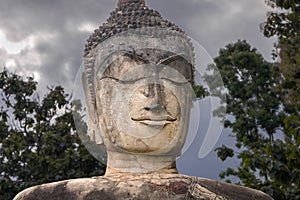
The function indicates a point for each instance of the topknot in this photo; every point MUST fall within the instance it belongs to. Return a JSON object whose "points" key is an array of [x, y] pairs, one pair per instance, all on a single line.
{"points": [[126, 2]]}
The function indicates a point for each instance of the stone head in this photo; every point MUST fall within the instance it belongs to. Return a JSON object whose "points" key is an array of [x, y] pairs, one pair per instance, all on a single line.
{"points": [[138, 82]]}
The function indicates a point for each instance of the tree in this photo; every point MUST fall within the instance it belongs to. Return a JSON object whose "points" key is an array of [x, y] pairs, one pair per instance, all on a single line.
{"points": [[271, 161], [286, 25], [38, 138], [268, 154]]}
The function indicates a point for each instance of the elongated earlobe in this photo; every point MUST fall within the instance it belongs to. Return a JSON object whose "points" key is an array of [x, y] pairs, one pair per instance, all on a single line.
{"points": [[92, 121]]}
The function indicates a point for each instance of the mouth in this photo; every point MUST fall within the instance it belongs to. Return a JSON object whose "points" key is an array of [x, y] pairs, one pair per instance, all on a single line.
{"points": [[155, 121]]}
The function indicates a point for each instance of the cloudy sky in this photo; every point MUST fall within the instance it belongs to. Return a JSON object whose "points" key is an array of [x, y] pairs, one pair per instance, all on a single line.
{"points": [[46, 39]]}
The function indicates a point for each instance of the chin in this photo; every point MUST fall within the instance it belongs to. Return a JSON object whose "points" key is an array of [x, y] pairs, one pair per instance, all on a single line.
{"points": [[158, 145]]}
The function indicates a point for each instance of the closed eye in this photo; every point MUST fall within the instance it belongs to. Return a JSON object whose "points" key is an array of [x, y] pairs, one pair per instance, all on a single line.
{"points": [[175, 82], [130, 81], [125, 81]]}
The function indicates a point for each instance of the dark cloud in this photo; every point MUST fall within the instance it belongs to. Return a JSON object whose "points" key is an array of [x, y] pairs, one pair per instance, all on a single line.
{"points": [[216, 23], [53, 28], [23, 18]]}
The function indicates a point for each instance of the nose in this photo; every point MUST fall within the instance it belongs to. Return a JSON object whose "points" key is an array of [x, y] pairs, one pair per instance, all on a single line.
{"points": [[155, 97], [155, 108]]}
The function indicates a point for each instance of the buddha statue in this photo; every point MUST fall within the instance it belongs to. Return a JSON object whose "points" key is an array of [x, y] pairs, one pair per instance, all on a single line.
{"points": [[138, 80], [138, 85]]}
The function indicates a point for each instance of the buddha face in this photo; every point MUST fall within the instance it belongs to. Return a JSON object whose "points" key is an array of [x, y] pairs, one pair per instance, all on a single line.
{"points": [[143, 106]]}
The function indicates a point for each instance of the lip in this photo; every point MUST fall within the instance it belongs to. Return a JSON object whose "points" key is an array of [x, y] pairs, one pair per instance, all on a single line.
{"points": [[155, 121]]}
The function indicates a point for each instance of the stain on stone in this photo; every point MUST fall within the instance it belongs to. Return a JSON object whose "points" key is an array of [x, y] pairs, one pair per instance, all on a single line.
{"points": [[58, 192], [174, 187], [178, 187]]}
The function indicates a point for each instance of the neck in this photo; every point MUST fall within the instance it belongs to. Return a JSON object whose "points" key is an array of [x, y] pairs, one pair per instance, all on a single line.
{"points": [[139, 163]]}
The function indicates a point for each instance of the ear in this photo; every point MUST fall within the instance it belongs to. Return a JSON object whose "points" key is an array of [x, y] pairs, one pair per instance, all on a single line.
{"points": [[92, 120]]}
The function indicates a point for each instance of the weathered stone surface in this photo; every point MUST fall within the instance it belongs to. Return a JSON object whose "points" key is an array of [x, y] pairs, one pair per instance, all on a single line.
{"points": [[143, 122], [140, 187]]}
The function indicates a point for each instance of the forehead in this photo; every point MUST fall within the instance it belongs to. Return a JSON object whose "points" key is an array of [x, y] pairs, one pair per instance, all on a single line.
{"points": [[122, 62]]}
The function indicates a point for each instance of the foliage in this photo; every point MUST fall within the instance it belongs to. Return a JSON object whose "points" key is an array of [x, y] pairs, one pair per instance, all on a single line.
{"points": [[284, 23], [287, 28], [269, 153], [289, 66], [39, 142], [200, 91]]}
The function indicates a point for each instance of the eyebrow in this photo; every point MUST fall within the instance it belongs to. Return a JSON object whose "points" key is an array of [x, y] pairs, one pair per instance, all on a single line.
{"points": [[168, 60]]}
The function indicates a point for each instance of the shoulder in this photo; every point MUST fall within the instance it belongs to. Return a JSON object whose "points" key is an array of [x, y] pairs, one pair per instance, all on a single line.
{"points": [[140, 186], [231, 191], [68, 189]]}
